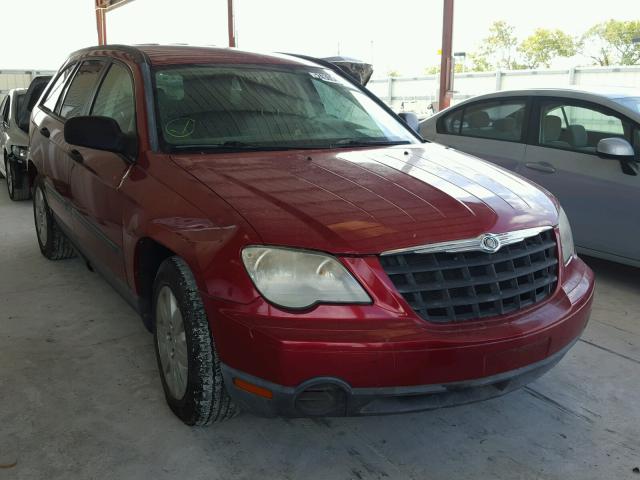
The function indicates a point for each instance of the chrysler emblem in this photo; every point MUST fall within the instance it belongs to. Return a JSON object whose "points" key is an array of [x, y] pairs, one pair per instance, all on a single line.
{"points": [[490, 243]]}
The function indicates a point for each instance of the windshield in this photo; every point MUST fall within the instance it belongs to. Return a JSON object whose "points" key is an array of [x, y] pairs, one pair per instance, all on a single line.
{"points": [[630, 102], [214, 107]]}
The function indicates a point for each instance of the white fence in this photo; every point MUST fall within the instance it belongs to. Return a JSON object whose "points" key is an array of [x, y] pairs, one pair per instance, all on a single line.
{"points": [[416, 94], [18, 79]]}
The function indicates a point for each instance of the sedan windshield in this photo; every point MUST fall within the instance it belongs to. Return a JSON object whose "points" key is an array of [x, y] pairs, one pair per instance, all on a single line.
{"points": [[630, 102], [268, 108]]}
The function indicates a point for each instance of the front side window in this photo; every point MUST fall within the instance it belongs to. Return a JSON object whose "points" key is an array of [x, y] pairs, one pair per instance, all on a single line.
{"points": [[267, 107], [578, 127], [51, 100], [116, 99], [80, 90], [494, 120]]}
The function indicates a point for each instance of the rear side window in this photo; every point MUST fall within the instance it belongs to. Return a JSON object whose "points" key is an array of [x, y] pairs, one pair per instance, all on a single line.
{"points": [[80, 90], [51, 100], [116, 100], [495, 120]]}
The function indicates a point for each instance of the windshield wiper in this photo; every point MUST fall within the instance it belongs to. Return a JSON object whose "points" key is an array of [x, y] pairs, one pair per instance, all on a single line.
{"points": [[237, 146], [348, 142]]}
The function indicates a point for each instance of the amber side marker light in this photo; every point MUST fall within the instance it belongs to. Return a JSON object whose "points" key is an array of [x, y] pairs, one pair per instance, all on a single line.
{"points": [[251, 388]]}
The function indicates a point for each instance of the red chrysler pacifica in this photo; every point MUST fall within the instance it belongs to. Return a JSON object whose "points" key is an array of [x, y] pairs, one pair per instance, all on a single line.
{"points": [[294, 246]]}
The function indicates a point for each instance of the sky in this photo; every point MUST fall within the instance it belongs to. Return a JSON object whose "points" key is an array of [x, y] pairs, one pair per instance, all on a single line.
{"points": [[402, 35]]}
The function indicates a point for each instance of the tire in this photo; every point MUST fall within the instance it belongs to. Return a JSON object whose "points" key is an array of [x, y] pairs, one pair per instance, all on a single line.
{"points": [[185, 351], [17, 183], [52, 242]]}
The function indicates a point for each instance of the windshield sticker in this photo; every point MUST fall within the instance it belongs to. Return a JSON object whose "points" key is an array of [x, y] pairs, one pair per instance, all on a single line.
{"points": [[324, 76]]}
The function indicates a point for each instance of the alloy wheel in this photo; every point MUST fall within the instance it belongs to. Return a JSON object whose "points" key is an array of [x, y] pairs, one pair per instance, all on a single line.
{"points": [[172, 342], [41, 216]]}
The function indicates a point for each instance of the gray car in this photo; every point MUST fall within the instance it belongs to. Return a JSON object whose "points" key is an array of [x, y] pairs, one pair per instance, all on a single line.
{"points": [[14, 145], [582, 145]]}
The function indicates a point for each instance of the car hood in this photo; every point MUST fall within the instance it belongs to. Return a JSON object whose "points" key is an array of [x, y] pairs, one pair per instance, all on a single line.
{"points": [[367, 201]]}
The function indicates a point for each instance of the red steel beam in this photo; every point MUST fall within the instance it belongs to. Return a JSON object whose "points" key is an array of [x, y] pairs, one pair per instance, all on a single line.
{"points": [[102, 7], [231, 24], [446, 62]]}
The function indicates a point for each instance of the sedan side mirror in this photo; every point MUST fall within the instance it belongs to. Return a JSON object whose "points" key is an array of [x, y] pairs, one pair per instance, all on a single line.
{"points": [[614, 147], [619, 149], [99, 133], [411, 119]]}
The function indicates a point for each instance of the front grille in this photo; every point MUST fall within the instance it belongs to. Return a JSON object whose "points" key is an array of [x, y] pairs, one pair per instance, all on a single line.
{"points": [[451, 287]]}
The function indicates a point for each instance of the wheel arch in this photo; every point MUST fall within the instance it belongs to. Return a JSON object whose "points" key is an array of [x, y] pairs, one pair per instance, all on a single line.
{"points": [[149, 254]]}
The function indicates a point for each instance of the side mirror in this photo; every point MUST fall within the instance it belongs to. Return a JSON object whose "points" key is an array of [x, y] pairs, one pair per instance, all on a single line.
{"points": [[99, 133], [411, 119], [616, 148], [619, 149]]}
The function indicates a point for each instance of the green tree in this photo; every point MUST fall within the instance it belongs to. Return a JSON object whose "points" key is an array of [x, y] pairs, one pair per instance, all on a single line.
{"points": [[540, 48], [479, 62], [611, 43], [498, 50]]}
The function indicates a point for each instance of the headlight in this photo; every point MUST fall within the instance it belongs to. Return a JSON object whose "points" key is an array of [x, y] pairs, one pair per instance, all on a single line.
{"points": [[300, 279], [566, 237], [20, 152]]}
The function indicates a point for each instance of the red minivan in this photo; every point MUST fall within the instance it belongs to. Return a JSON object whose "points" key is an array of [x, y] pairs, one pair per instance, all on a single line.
{"points": [[296, 248]]}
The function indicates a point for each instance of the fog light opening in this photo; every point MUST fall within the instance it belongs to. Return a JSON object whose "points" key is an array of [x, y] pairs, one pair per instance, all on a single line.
{"points": [[322, 400]]}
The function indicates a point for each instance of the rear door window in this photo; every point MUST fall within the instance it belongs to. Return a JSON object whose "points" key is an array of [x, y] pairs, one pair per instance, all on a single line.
{"points": [[81, 89], [495, 120], [53, 95]]}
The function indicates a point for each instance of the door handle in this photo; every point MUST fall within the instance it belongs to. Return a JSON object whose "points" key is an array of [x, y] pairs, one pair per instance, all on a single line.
{"points": [[45, 132], [540, 166], [76, 156]]}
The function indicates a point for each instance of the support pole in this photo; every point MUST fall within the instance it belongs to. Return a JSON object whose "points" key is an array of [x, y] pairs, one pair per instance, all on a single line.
{"points": [[446, 63], [231, 24], [101, 23]]}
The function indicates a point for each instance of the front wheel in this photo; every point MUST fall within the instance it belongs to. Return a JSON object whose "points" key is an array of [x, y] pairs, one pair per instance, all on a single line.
{"points": [[52, 242], [186, 354]]}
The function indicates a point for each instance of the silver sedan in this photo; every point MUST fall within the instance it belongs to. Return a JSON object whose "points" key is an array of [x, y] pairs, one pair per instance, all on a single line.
{"points": [[583, 145]]}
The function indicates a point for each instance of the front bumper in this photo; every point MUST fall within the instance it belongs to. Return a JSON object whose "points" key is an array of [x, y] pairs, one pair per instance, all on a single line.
{"points": [[332, 397], [382, 358]]}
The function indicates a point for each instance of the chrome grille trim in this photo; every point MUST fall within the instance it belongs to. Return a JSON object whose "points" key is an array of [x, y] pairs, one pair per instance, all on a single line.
{"points": [[471, 244]]}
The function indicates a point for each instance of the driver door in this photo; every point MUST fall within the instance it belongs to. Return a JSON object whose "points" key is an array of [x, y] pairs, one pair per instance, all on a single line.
{"points": [[600, 199]]}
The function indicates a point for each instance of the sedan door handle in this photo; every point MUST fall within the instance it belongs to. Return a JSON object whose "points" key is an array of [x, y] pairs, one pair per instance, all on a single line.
{"points": [[540, 166], [76, 156], [45, 132]]}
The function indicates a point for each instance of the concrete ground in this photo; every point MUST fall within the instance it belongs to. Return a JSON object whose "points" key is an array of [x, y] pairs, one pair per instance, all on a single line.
{"points": [[80, 398]]}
